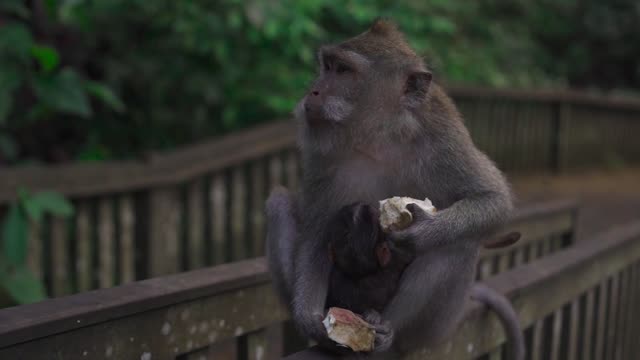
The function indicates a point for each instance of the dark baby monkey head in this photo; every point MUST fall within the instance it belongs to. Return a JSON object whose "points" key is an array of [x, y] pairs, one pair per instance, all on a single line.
{"points": [[372, 86], [357, 245]]}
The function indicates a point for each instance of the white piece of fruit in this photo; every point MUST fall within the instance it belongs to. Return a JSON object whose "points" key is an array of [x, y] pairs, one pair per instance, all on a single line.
{"points": [[394, 214], [349, 330]]}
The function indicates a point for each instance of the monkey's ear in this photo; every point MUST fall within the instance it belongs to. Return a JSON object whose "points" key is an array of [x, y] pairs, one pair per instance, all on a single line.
{"points": [[417, 86]]}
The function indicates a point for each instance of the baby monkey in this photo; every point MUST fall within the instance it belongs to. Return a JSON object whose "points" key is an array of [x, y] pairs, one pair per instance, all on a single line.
{"points": [[366, 266]]}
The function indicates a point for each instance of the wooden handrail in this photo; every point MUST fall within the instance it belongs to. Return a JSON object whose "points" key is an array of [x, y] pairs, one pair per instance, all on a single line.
{"points": [[90, 179], [29, 322]]}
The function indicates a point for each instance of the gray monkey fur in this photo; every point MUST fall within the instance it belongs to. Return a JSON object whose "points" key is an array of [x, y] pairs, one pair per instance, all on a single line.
{"points": [[426, 152]]}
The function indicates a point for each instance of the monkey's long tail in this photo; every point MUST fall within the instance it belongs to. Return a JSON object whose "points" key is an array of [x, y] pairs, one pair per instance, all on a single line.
{"points": [[508, 317]]}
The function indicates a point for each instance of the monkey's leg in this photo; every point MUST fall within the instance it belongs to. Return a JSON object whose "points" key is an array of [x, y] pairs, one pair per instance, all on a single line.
{"points": [[508, 317], [430, 299], [282, 235]]}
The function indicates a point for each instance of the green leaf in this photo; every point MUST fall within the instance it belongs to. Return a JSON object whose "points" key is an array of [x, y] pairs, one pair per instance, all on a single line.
{"points": [[9, 81], [14, 236], [22, 285], [64, 92], [104, 94], [33, 209], [47, 57], [53, 203], [15, 40], [442, 25]]}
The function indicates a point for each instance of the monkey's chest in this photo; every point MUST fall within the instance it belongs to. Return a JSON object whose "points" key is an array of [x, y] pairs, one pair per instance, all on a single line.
{"points": [[360, 180]]}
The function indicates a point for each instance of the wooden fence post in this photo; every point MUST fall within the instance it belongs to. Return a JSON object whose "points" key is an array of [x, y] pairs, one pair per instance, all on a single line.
{"points": [[560, 136], [164, 249]]}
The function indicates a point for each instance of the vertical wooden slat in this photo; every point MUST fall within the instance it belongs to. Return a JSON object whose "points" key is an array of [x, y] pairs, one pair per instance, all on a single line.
{"points": [[495, 354], [574, 329], [589, 331], [275, 341], [218, 206], [256, 345], [632, 344], [106, 243], [127, 246], [485, 268], [622, 314], [611, 326], [636, 312], [83, 260], [536, 351], [195, 221], [546, 246], [164, 251], [238, 214], [59, 245], [34, 255], [518, 256], [602, 316], [556, 336], [258, 198], [503, 262]]}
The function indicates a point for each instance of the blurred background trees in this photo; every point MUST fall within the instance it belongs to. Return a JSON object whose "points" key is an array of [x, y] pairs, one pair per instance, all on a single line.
{"points": [[101, 79]]}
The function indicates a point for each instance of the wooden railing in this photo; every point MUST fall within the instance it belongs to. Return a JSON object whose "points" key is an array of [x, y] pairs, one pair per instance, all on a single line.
{"points": [[545, 228], [578, 303], [202, 205]]}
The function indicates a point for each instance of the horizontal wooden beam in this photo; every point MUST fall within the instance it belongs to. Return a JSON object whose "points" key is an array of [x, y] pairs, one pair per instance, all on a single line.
{"points": [[547, 96], [53, 316], [170, 168]]}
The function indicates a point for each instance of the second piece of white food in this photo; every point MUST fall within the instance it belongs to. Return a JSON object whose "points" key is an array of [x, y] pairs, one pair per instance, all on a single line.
{"points": [[394, 214]]}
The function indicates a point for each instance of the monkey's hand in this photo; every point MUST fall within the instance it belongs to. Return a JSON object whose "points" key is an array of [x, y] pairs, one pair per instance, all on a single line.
{"points": [[384, 331], [420, 233], [310, 324]]}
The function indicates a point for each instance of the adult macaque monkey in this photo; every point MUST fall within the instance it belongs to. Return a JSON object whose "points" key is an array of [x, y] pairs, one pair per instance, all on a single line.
{"points": [[373, 126]]}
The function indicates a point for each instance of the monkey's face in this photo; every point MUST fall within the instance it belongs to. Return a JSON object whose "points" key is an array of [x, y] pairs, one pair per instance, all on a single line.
{"points": [[367, 87], [330, 101], [357, 245]]}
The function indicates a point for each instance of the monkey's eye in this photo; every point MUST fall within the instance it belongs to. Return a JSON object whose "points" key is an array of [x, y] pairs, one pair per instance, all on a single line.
{"points": [[327, 66]]}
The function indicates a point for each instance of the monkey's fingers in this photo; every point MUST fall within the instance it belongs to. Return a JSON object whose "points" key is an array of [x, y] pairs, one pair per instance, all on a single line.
{"points": [[383, 340], [418, 213]]}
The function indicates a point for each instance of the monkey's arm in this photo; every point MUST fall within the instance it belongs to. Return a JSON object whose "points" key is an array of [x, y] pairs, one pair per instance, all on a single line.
{"points": [[299, 264], [311, 286], [480, 201]]}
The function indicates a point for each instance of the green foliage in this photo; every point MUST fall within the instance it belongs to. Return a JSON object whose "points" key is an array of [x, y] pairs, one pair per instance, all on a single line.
{"points": [[165, 72], [63, 92], [16, 280]]}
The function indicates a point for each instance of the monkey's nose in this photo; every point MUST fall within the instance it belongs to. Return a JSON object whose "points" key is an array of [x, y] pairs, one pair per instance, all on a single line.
{"points": [[315, 93]]}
